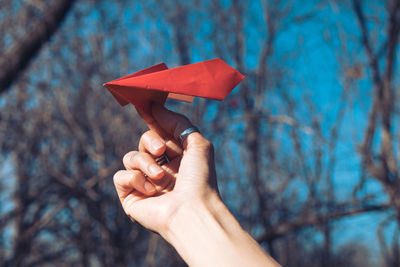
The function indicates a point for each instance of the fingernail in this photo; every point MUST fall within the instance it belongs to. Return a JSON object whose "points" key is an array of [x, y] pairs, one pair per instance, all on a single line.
{"points": [[155, 169], [149, 187], [157, 144]]}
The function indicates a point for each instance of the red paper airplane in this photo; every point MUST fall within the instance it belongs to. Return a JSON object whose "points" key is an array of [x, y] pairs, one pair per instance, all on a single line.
{"points": [[210, 79]]}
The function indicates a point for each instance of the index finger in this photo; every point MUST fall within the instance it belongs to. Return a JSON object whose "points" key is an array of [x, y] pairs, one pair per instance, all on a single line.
{"points": [[170, 122], [151, 123]]}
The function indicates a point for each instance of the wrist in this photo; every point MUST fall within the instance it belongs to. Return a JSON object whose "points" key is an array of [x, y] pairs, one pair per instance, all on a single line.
{"points": [[207, 207], [202, 229], [197, 220]]}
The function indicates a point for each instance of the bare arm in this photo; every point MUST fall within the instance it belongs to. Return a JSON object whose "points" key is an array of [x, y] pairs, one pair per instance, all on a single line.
{"points": [[205, 233]]}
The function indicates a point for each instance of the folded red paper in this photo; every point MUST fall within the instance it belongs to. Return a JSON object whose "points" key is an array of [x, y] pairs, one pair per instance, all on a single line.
{"points": [[213, 79]]}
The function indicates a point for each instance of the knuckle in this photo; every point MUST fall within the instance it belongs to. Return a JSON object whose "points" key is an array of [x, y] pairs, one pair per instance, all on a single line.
{"points": [[146, 136], [126, 157], [203, 143], [130, 156], [136, 175], [117, 175], [140, 158]]}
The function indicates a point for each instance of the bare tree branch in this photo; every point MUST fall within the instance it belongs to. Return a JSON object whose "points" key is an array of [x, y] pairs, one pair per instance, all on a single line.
{"points": [[314, 220], [17, 58]]}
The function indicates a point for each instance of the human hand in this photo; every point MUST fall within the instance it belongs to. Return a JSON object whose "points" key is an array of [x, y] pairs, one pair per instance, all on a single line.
{"points": [[152, 195], [180, 200]]}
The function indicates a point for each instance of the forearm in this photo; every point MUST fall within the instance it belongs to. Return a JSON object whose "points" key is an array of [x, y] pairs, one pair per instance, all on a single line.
{"points": [[205, 233]]}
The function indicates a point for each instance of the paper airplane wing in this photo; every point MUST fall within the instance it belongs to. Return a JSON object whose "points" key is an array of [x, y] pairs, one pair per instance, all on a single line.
{"points": [[209, 79]]}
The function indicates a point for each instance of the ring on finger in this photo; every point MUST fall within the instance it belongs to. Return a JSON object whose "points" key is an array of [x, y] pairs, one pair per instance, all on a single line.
{"points": [[163, 159], [184, 134]]}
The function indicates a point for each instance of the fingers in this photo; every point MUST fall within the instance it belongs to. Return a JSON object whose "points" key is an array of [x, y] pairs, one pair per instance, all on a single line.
{"points": [[143, 162], [129, 180], [152, 143], [136, 160]]}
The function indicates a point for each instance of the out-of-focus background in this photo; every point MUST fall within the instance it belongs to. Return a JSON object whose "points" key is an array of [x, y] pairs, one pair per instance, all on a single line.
{"points": [[307, 146]]}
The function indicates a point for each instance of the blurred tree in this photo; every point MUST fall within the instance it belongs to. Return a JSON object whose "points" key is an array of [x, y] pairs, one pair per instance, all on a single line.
{"points": [[380, 146], [27, 45]]}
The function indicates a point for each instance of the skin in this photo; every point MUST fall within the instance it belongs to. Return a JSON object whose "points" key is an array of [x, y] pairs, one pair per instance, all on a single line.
{"points": [[180, 200]]}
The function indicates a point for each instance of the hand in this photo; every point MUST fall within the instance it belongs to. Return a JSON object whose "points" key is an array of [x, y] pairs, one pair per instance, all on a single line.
{"points": [[180, 200], [152, 195]]}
